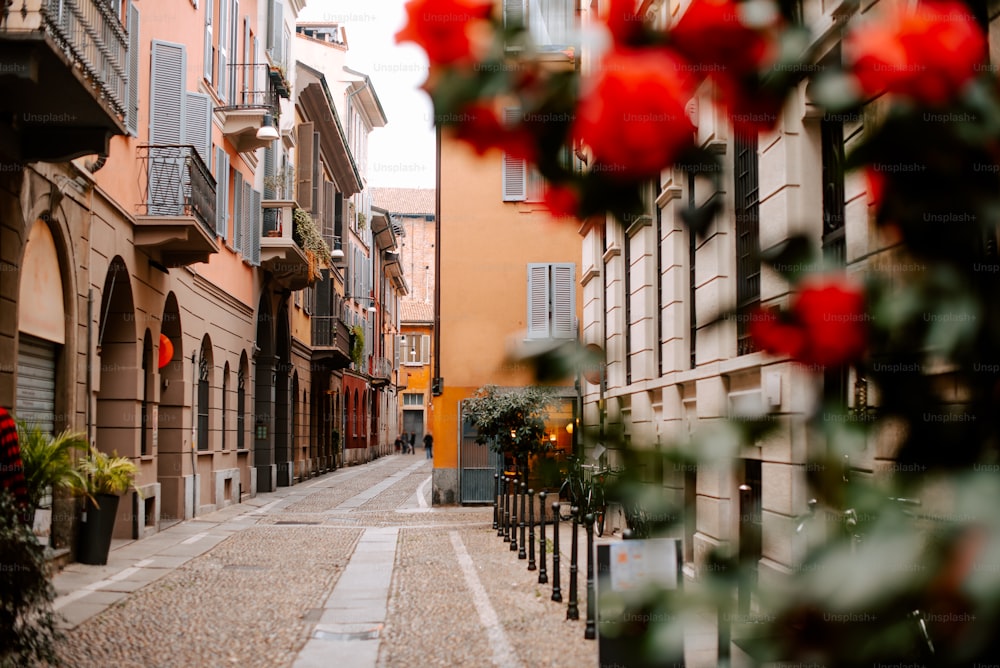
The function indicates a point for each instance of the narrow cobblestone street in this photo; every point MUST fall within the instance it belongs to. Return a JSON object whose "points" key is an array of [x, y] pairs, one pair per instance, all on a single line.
{"points": [[353, 568]]}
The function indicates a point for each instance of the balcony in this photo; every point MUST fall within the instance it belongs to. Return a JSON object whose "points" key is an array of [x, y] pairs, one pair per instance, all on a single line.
{"points": [[176, 219], [380, 370], [291, 266], [63, 78], [251, 97], [331, 341]]}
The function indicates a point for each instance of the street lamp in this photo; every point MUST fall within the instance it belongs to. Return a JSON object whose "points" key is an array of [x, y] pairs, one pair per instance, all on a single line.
{"points": [[371, 307]]}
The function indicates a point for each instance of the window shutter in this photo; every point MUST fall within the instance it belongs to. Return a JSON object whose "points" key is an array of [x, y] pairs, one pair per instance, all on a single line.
{"points": [[269, 190], [132, 114], [317, 177], [198, 124], [515, 170], [166, 93], [564, 301], [329, 198], [279, 31], [255, 230], [425, 348], [224, 20], [399, 349], [221, 192], [538, 301], [246, 224], [236, 240], [513, 13], [208, 40], [303, 166]]}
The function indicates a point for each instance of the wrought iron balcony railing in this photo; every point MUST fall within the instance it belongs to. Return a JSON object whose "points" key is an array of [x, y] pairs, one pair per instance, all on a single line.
{"points": [[88, 32], [249, 87], [174, 181], [381, 367]]}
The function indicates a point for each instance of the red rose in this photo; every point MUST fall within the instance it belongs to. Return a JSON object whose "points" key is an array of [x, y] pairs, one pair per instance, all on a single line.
{"points": [[561, 200], [623, 22], [633, 117], [927, 53], [713, 34], [826, 326], [480, 126], [444, 28]]}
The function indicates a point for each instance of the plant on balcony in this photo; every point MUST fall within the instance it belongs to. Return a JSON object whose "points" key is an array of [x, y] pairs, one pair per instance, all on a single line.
{"points": [[307, 236], [362, 221], [357, 343]]}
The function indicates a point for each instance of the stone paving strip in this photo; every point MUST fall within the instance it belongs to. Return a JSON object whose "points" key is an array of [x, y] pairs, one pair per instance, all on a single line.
{"points": [[242, 604]]}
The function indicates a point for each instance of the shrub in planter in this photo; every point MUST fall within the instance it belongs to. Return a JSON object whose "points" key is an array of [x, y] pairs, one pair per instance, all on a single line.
{"points": [[107, 477], [48, 461]]}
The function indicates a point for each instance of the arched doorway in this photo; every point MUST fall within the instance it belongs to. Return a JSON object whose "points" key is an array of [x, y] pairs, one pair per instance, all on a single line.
{"points": [[173, 472], [118, 400], [284, 457], [263, 381]]}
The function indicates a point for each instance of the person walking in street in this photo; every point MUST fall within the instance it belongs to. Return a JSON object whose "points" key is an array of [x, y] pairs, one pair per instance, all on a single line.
{"points": [[428, 445], [413, 442], [398, 444]]}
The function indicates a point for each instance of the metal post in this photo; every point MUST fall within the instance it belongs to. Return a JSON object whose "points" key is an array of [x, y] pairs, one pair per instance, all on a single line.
{"points": [[531, 530], [496, 496], [543, 576], [573, 609], [506, 509], [590, 632], [521, 554], [556, 590], [513, 520]]}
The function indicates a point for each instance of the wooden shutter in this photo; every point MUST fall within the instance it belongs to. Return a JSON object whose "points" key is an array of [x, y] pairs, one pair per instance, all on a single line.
{"points": [[224, 21], [198, 124], [166, 93], [255, 227], [303, 166], [317, 177], [425, 348], [247, 224], [132, 113], [538, 301], [221, 192], [236, 240], [563, 301], [208, 40], [515, 170], [329, 199]]}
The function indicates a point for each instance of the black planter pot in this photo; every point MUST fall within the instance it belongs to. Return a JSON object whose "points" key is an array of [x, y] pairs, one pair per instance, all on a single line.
{"points": [[96, 527]]}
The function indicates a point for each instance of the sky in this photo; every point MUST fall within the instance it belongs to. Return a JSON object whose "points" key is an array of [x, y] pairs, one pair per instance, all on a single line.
{"points": [[402, 153]]}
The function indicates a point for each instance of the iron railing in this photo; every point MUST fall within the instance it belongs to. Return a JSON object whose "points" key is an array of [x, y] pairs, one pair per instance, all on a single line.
{"points": [[249, 88], [174, 181], [87, 31], [381, 367], [329, 331]]}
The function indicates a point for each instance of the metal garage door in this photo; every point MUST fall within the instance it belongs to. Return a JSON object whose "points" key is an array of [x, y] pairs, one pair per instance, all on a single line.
{"points": [[477, 464], [36, 382]]}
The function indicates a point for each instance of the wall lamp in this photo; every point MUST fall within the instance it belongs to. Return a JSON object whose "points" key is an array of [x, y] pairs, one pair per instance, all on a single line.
{"points": [[267, 131]]}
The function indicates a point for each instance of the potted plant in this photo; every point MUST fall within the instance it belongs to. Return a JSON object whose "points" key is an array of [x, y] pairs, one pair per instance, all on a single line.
{"points": [[107, 478], [48, 461]]}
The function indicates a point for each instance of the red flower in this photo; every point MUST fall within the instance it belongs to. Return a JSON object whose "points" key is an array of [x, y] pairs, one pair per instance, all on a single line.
{"points": [[480, 126], [561, 200], [624, 22], [445, 29], [713, 34], [634, 117], [927, 53], [827, 325]]}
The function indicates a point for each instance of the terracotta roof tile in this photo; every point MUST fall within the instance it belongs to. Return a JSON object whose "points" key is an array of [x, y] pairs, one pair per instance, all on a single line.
{"points": [[413, 311], [405, 200]]}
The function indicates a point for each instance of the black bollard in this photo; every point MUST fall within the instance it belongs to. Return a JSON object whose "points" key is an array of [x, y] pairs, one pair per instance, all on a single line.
{"points": [[543, 576], [506, 509], [590, 632], [496, 497], [531, 530], [573, 609], [556, 590], [521, 554], [513, 520]]}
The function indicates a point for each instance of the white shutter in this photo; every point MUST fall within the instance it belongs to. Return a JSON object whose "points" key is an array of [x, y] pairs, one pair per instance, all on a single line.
{"points": [[538, 301], [221, 192], [198, 124], [236, 240], [166, 93], [255, 231], [515, 170], [247, 58], [225, 18], [208, 40], [132, 113], [564, 301], [425, 348]]}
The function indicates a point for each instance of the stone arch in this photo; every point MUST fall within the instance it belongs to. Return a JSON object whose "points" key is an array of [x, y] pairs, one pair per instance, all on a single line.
{"points": [[263, 396]]}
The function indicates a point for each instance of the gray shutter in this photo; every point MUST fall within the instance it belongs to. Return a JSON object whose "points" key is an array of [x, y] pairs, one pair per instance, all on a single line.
{"points": [[538, 301], [304, 166], [198, 124], [279, 32], [208, 40], [255, 231], [515, 171], [269, 190], [246, 56], [36, 382], [238, 214], [564, 301], [221, 192], [513, 13], [132, 114], [247, 223], [166, 93], [425, 349], [225, 20]]}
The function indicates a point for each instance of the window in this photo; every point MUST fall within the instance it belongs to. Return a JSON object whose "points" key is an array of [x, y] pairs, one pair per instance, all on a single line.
{"points": [[221, 192], [203, 388], [413, 399], [835, 379], [132, 113], [209, 55], [552, 301], [225, 404], [415, 349], [747, 196], [515, 169], [692, 277], [551, 23]]}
